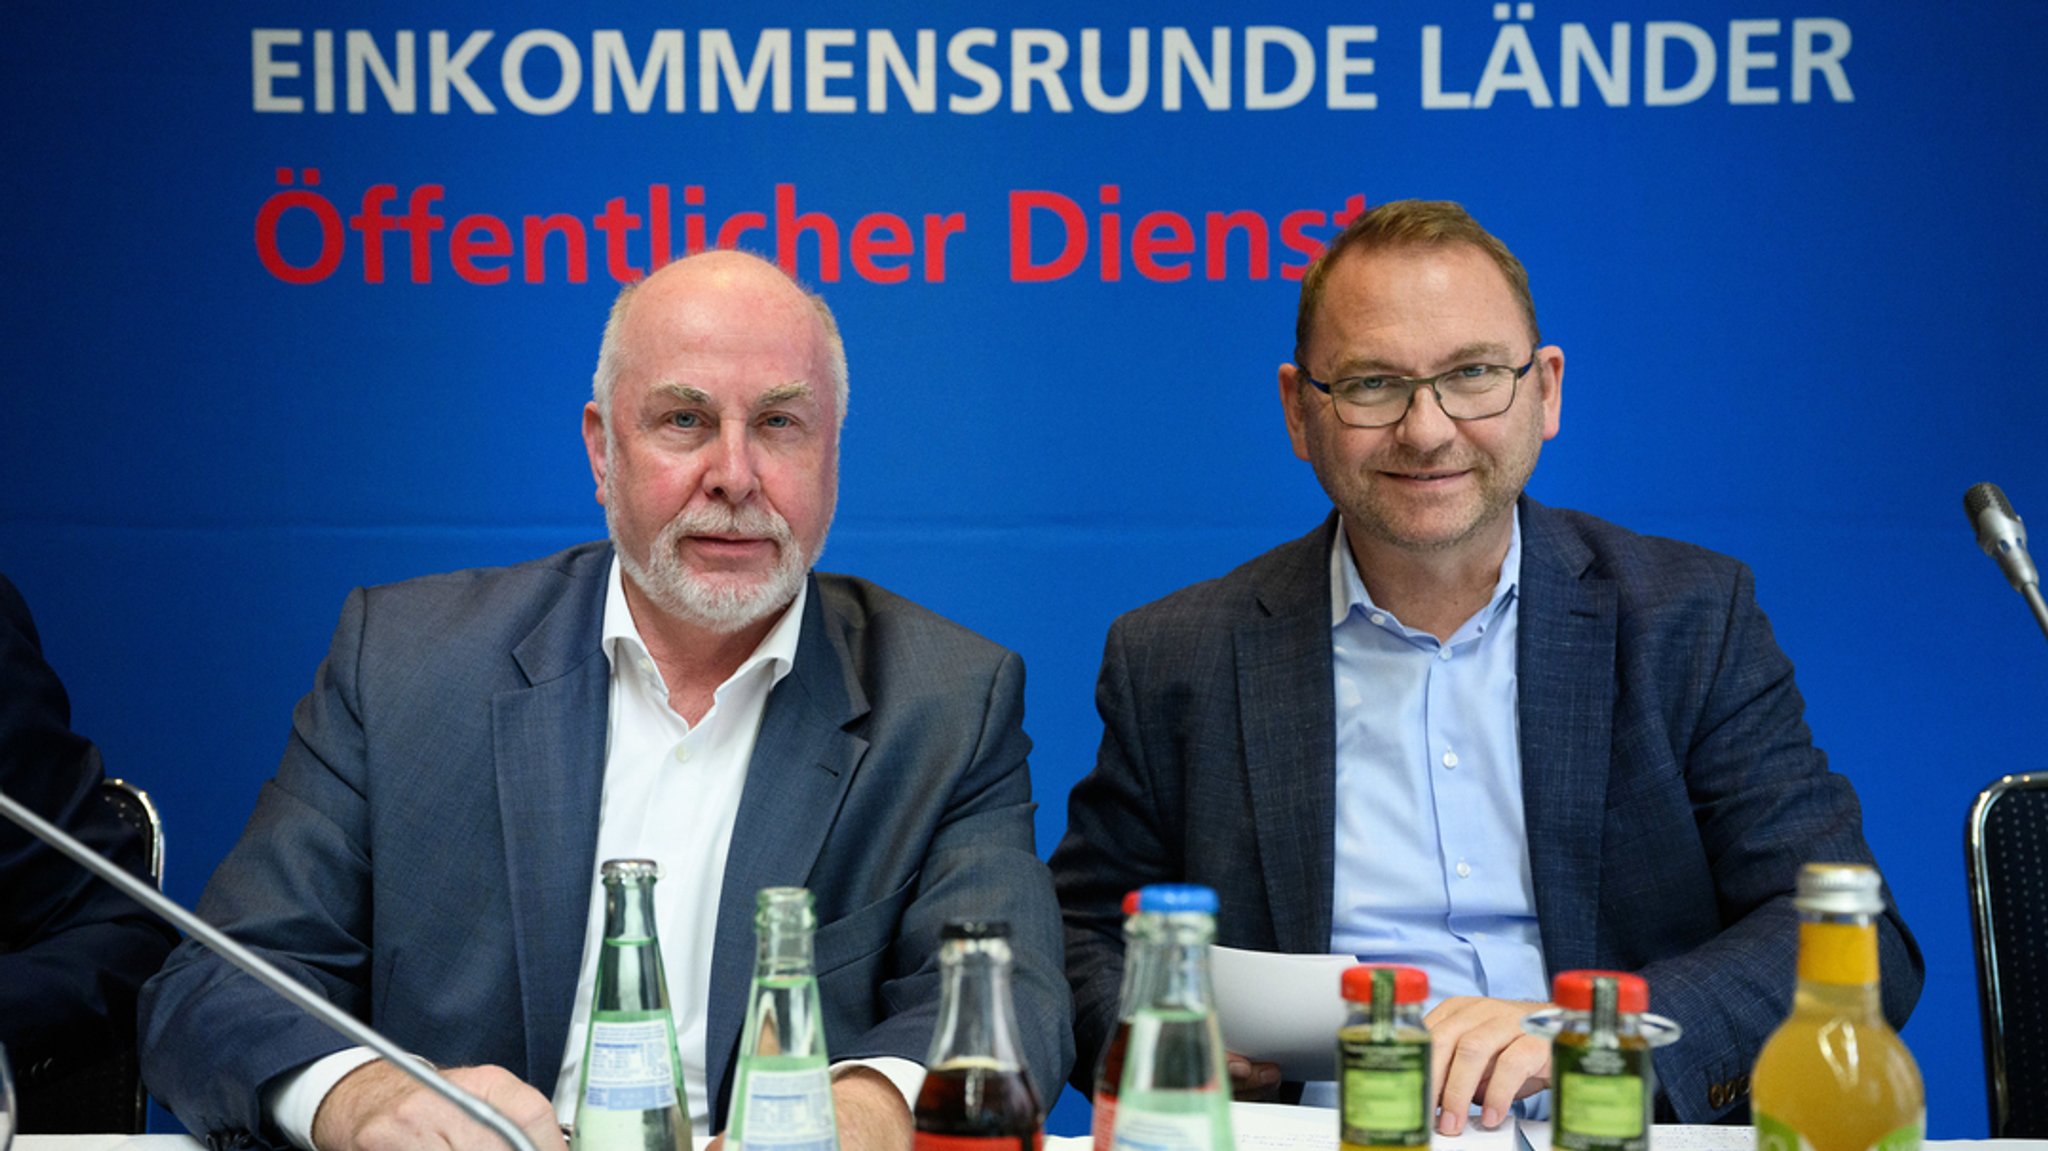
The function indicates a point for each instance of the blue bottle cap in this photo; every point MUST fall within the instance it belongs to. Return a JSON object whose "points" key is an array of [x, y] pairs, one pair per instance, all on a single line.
{"points": [[1173, 897]]}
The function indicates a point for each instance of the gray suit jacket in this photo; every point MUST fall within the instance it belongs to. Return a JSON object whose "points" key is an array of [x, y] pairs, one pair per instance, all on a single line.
{"points": [[1669, 782], [424, 856]]}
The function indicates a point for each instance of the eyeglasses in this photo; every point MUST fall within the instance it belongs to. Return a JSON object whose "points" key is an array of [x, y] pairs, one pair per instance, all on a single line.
{"points": [[1472, 392]]}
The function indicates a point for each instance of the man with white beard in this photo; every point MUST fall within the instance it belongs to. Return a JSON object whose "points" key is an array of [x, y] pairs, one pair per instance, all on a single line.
{"points": [[690, 692]]}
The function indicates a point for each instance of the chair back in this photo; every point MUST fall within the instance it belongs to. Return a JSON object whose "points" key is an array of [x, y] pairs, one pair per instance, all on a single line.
{"points": [[2007, 849], [100, 1092], [135, 809]]}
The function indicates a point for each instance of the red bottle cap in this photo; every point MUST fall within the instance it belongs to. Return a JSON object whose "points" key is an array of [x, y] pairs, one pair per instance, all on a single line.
{"points": [[1411, 984], [1130, 903], [1573, 991]]}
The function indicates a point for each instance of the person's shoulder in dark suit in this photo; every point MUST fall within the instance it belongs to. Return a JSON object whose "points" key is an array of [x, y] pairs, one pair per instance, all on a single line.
{"points": [[875, 627], [73, 950]]}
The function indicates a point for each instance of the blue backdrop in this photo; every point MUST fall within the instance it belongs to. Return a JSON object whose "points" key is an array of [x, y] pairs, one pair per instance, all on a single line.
{"points": [[301, 299]]}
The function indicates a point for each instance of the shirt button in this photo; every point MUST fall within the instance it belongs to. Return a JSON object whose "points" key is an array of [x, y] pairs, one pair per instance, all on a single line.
{"points": [[1464, 870], [1378, 619], [1450, 759], [1444, 653], [682, 753]]}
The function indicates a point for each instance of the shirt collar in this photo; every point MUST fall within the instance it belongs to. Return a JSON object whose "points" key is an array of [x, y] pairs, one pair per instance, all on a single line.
{"points": [[1347, 587], [622, 644]]}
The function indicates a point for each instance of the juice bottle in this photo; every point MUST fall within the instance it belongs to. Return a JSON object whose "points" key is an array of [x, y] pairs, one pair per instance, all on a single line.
{"points": [[1600, 1062], [1383, 1061], [1835, 1076]]}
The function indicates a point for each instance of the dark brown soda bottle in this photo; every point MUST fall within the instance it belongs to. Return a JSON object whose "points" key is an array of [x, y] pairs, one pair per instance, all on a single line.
{"points": [[977, 1094]]}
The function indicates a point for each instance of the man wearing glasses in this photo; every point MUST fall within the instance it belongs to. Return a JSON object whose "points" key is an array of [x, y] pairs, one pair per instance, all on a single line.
{"points": [[1456, 729]]}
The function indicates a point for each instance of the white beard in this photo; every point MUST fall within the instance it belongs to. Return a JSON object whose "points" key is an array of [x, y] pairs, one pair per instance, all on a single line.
{"points": [[714, 603]]}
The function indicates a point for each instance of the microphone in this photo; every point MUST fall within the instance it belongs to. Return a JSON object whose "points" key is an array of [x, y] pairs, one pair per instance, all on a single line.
{"points": [[2003, 537], [263, 971]]}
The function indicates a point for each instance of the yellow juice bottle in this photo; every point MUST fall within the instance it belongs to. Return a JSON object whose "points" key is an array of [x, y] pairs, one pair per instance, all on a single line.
{"points": [[1835, 1076], [1383, 1061]]}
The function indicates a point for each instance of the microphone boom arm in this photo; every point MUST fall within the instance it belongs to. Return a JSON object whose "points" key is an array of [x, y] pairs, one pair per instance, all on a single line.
{"points": [[267, 973]]}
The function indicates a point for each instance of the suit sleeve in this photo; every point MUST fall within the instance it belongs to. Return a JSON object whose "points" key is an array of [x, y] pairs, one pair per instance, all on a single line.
{"points": [[1114, 844], [1765, 803], [981, 863], [296, 890], [73, 950]]}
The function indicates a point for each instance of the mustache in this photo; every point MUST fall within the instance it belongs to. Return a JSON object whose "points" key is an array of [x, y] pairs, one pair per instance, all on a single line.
{"points": [[755, 522], [1448, 459]]}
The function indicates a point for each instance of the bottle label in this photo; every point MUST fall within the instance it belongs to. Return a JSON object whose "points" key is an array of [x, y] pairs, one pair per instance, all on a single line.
{"points": [[1143, 1129], [789, 1110], [1602, 1106], [1603, 1098], [1775, 1135], [1385, 1093], [925, 1141], [630, 1067], [1102, 1122]]}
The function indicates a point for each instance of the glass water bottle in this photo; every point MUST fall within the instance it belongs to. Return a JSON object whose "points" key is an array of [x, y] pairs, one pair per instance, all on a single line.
{"points": [[782, 1100], [631, 1097], [1175, 1094]]}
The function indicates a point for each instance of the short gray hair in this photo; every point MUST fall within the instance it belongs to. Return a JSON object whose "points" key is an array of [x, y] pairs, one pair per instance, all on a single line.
{"points": [[611, 351]]}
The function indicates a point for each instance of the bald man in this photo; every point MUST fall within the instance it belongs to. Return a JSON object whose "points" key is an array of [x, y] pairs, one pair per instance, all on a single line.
{"points": [[689, 692]]}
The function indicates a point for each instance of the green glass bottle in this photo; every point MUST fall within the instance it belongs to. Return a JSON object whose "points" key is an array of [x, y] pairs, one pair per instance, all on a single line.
{"points": [[1175, 1094], [631, 1097], [782, 1100]]}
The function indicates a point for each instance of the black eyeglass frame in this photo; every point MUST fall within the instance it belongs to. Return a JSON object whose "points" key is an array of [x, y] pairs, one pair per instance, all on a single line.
{"points": [[1415, 384]]}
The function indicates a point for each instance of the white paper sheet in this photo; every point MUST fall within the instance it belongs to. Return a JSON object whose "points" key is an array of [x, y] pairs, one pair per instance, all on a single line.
{"points": [[1281, 1009]]}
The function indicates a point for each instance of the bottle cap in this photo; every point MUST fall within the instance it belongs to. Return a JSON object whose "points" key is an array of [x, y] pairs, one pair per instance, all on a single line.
{"points": [[1177, 897], [975, 929], [1411, 984], [1573, 991], [1839, 889], [629, 870], [1130, 903]]}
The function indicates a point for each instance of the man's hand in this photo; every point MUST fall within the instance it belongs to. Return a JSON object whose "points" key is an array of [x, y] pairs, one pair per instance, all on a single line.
{"points": [[1479, 1052], [377, 1107], [1250, 1080], [872, 1113]]}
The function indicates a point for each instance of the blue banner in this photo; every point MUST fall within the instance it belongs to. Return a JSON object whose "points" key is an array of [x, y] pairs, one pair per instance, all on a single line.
{"points": [[304, 297]]}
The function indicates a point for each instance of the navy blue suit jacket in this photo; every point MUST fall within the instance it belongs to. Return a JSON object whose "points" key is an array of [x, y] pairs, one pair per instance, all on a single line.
{"points": [[1670, 785], [72, 949], [424, 856]]}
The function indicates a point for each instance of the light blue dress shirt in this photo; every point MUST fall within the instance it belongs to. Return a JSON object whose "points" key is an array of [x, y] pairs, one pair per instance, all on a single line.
{"points": [[1432, 858]]}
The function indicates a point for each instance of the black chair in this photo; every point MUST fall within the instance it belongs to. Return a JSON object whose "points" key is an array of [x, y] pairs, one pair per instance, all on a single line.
{"points": [[2007, 846], [102, 1092]]}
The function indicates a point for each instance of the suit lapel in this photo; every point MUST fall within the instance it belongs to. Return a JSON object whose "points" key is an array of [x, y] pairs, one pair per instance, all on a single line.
{"points": [[1287, 713], [549, 741], [802, 764], [1565, 669]]}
